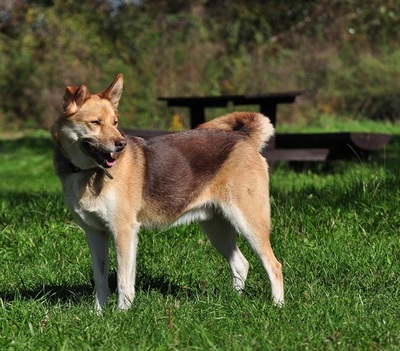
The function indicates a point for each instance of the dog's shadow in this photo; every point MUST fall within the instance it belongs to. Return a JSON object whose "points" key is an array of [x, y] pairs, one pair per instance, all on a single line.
{"points": [[54, 294]]}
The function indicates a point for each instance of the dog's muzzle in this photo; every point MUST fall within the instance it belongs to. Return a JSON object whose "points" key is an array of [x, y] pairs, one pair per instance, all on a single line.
{"points": [[103, 156]]}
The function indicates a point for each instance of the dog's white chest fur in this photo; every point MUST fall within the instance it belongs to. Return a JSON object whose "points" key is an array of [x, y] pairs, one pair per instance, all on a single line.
{"points": [[93, 210]]}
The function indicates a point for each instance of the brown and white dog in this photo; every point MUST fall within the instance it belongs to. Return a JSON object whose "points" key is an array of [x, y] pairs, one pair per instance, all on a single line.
{"points": [[114, 184]]}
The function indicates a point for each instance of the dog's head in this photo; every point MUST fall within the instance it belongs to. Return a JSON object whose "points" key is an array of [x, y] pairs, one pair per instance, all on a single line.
{"points": [[87, 129]]}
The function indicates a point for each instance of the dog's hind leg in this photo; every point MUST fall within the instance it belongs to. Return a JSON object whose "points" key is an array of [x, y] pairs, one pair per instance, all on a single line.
{"points": [[255, 227], [126, 240], [223, 236], [99, 244]]}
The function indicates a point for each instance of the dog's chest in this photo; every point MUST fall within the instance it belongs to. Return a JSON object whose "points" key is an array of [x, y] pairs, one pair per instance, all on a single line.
{"points": [[88, 207]]}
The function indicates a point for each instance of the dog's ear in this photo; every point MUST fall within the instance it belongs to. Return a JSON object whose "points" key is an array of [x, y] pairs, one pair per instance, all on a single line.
{"points": [[74, 98], [114, 91]]}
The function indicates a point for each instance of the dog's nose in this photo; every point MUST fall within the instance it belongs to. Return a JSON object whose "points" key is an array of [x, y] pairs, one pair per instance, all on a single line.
{"points": [[120, 145]]}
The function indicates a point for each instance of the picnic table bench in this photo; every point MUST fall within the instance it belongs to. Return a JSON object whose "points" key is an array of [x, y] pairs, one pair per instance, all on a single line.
{"points": [[341, 145], [294, 147]]}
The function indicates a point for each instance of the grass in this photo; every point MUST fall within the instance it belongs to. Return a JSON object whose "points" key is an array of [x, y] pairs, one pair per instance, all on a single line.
{"points": [[335, 123], [336, 233]]}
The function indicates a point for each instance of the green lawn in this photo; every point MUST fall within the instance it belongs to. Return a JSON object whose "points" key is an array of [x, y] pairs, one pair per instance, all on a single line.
{"points": [[336, 233]]}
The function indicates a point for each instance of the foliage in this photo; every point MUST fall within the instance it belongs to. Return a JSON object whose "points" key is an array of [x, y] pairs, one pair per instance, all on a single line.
{"points": [[371, 86], [343, 52]]}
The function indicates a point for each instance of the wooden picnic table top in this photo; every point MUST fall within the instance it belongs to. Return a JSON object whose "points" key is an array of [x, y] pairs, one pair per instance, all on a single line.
{"points": [[197, 104], [237, 99]]}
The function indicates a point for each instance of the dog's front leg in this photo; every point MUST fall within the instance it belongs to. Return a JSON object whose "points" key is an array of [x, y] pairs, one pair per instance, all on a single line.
{"points": [[99, 244], [126, 240]]}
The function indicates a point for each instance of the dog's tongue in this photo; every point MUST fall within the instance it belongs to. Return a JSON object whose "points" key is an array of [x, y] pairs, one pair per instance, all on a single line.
{"points": [[111, 162]]}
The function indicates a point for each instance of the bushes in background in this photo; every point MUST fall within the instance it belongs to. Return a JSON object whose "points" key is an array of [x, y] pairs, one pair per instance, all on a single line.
{"points": [[345, 53]]}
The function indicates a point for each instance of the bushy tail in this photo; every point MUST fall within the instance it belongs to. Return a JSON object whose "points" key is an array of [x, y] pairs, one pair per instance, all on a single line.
{"points": [[255, 125]]}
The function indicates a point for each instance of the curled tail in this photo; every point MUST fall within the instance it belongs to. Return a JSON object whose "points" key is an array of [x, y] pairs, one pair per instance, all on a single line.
{"points": [[255, 125]]}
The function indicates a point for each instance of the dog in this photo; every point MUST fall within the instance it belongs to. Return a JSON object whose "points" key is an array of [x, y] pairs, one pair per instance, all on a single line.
{"points": [[115, 184]]}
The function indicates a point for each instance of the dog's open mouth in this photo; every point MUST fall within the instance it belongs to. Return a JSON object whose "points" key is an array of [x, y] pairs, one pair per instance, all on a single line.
{"points": [[102, 158]]}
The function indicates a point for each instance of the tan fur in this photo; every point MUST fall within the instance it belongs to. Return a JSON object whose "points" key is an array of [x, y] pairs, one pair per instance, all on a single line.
{"points": [[259, 127], [114, 184]]}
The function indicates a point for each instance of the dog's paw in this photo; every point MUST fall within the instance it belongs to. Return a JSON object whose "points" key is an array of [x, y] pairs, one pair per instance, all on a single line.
{"points": [[98, 308], [124, 303], [279, 302]]}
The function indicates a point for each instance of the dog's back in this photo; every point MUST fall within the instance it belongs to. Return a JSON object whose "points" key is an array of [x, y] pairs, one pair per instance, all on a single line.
{"points": [[181, 167]]}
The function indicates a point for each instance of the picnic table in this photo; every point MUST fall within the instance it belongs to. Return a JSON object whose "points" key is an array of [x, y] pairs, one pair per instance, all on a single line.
{"points": [[267, 106], [298, 147]]}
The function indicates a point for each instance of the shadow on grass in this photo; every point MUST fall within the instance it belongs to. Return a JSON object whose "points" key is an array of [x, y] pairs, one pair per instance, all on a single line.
{"points": [[54, 294]]}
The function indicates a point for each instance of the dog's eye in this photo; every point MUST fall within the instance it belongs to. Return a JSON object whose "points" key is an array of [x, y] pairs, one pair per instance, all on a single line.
{"points": [[95, 122], [116, 122]]}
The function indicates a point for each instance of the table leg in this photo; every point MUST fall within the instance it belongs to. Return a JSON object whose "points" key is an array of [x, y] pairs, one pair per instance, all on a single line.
{"points": [[269, 110], [196, 116]]}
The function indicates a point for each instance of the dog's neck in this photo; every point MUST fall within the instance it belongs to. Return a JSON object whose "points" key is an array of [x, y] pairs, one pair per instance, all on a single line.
{"points": [[68, 167]]}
